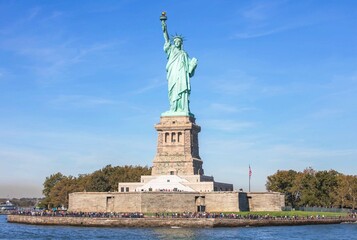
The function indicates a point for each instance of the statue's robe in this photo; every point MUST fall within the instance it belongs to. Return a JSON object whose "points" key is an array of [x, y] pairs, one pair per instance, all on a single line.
{"points": [[179, 70]]}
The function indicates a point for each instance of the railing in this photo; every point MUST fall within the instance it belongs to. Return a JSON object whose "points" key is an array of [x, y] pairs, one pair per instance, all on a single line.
{"points": [[319, 209]]}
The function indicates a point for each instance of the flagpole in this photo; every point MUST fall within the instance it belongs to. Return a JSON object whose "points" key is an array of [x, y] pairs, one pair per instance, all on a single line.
{"points": [[250, 175]]}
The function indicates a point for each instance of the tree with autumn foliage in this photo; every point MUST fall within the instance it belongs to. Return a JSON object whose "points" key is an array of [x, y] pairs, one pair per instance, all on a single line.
{"points": [[315, 188], [58, 186]]}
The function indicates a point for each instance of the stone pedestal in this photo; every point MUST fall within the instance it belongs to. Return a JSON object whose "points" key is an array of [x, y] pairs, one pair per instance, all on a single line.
{"points": [[177, 147]]}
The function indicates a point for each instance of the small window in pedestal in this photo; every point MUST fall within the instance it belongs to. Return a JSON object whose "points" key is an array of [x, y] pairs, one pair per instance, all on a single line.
{"points": [[173, 137], [179, 136], [167, 135]]}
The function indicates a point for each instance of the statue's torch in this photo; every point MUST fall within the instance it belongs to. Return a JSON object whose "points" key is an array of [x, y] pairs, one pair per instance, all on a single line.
{"points": [[163, 16]]}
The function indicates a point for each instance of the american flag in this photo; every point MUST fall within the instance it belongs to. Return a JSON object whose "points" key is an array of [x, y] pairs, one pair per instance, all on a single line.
{"points": [[250, 171]]}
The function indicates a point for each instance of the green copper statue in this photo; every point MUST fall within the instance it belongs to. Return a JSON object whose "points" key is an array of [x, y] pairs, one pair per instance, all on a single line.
{"points": [[180, 68]]}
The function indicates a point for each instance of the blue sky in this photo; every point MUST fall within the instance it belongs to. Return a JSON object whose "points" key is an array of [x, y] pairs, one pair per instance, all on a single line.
{"points": [[82, 84]]}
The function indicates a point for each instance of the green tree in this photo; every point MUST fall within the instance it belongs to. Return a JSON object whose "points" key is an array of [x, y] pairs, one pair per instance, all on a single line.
{"points": [[340, 198], [99, 182], [57, 186], [326, 188], [49, 183], [353, 192], [351, 196], [308, 187], [107, 178], [59, 193], [283, 181]]}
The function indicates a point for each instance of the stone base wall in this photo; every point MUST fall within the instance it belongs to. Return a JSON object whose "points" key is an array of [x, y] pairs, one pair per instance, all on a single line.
{"points": [[265, 201], [175, 201], [151, 202], [222, 202], [167, 222], [168, 202], [127, 202], [88, 202]]}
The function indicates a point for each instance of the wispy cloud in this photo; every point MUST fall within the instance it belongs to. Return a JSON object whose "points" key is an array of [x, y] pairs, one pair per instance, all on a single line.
{"points": [[89, 50], [82, 101], [93, 102], [342, 84], [230, 87], [223, 108], [50, 51], [238, 83], [152, 84], [54, 15], [327, 113], [290, 151], [262, 20], [262, 32], [337, 97], [274, 90], [233, 82], [228, 125], [50, 60], [33, 13], [226, 108], [262, 10], [24, 156]]}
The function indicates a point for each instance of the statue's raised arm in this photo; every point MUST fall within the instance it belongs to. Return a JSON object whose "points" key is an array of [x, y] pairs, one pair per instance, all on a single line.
{"points": [[163, 19], [180, 68]]}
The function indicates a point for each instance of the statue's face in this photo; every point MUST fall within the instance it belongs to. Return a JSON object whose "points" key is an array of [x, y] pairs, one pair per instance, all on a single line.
{"points": [[178, 42]]}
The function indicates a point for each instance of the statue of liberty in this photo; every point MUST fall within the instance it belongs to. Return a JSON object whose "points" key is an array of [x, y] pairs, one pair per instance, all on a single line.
{"points": [[180, 68]]}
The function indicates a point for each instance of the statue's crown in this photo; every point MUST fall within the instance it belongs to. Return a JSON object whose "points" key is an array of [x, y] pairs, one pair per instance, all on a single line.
{"points": [[178, 36]]}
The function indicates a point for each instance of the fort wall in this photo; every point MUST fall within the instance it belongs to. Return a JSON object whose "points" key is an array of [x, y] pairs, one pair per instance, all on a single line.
{"points": [[151, 202], [265, 201]]}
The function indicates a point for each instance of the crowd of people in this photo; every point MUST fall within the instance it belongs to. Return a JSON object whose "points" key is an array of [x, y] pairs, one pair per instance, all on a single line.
{"points": [[246, 216], [49, 213], [60, 213]]}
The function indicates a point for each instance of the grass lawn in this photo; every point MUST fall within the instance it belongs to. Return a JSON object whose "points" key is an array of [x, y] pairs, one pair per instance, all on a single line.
{"points": [[278, 213], [295, 213]]}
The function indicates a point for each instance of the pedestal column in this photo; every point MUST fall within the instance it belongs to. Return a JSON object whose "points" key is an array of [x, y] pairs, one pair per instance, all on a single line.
{"points": [[177, 147]]}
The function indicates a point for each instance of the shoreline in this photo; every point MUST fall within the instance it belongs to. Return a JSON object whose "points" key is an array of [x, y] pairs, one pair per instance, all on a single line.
{"points": [[168, 222]]}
